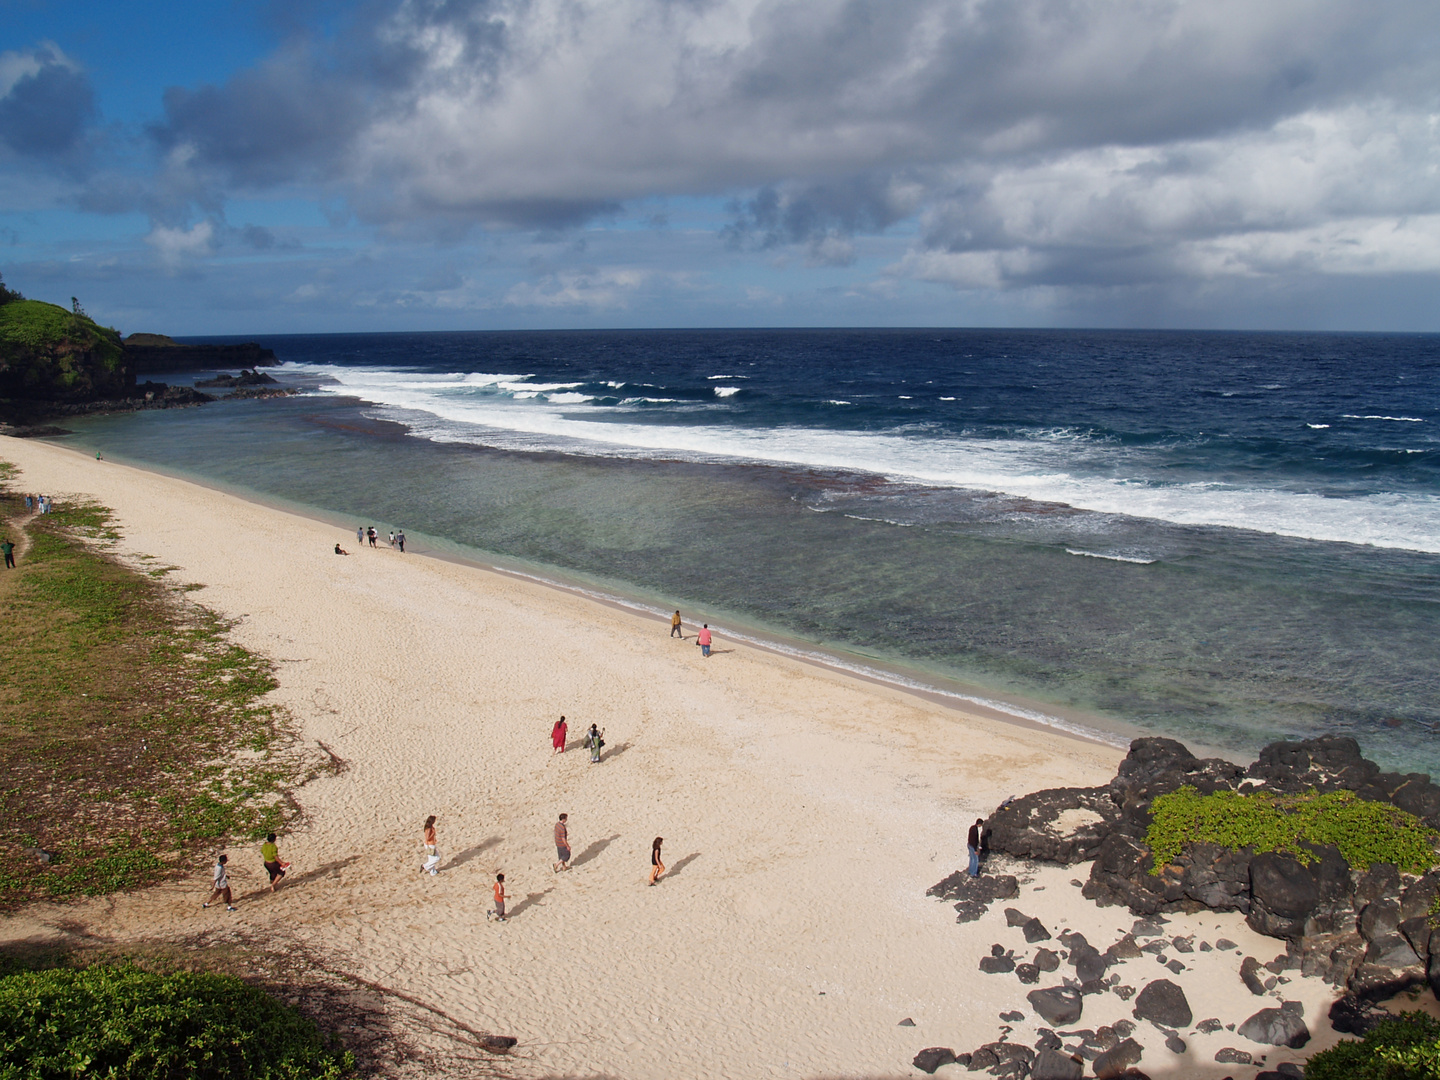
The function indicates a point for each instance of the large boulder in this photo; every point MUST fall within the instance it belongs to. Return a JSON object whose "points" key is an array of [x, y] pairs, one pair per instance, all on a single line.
{"points": [[974, 895], [1277, 1027], [930, 1059], [1283, 894], [1163, 1002], [1059, 825]]}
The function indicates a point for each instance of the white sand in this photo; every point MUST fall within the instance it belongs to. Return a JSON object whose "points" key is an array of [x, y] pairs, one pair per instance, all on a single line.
{"points": [[804, 815]]}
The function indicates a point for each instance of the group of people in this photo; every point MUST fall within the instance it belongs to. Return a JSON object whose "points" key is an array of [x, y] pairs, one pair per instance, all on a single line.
{"points": [[594, 740], [367, 532], [704, 638], [269, 855], [38, 502]]}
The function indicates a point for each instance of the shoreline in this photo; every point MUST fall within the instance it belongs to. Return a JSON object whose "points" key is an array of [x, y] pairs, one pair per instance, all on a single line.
{"points": [[965, 698]]}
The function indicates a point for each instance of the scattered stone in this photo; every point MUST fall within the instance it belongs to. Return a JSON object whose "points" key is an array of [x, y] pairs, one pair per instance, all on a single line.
{"points": [[1175, 1044], [1230, 1056], [1058, 1006], [970, 910], [1209, 1026], [1047, 960], [1123, 1028], [1034, 930], [1271, 983], [1053, 1065], [1248, 969], [1205, 946], [1077, 882], [907, 1022], [1124, 993], [983, 1060], [996, 965], [1015, 917], [927, 1061], [1276, 1027], [1280, 963], [1114, 1063], [1163, 1002], [1124, 949], [1012, 1017], [1151, 927], [1162, 959], [1104, 1038], [1028, 974], [1175, 966], [1224, 944], [1184, 944], [1048, 1040], [997, 950], [1153, 947], [975, 895]]}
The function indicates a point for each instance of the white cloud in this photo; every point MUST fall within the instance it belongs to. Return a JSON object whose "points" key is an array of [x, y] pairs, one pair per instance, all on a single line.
{"points": [[175, 245]]}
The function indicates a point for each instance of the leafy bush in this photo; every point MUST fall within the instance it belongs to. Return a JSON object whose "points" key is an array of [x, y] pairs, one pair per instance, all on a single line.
{"points": [[7, 295], [1365, 832], [1406, 1048], [122, 1022]]}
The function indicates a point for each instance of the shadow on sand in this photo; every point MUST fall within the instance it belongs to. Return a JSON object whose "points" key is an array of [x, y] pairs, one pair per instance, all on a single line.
{"points": [[530, 898], [686, 861], [594, 850], [470, 853]]}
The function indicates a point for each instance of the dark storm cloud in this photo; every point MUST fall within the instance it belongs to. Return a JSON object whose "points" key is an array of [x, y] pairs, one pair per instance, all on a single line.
{"points": [[45, 110]]}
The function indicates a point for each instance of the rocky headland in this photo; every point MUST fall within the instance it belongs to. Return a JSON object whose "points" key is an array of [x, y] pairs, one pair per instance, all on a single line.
{"points": [[1313, 844]]}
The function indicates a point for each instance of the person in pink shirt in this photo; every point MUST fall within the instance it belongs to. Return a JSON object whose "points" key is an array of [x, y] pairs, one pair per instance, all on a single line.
{"points": [[703, 640]]}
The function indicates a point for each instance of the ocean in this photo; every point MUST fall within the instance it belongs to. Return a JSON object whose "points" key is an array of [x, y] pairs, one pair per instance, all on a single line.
{"points": [[1224, 537]]}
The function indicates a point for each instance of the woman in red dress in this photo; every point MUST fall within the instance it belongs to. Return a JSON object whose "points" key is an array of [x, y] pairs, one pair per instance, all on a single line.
{"points": [[557, 737]]}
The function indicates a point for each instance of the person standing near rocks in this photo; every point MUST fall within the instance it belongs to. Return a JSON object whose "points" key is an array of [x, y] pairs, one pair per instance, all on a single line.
{"points": [[972, 845], [222, 884], [562, 844]]}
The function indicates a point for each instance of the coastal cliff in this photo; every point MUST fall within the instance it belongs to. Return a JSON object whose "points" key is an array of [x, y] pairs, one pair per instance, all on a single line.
{"points": [[150, 353]]}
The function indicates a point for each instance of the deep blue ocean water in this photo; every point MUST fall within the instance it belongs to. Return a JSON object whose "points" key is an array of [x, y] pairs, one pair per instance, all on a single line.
{"points": [[1226, 537]]}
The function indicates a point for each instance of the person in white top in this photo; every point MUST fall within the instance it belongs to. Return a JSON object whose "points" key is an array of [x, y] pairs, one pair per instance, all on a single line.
{"points": [[222, 884]]}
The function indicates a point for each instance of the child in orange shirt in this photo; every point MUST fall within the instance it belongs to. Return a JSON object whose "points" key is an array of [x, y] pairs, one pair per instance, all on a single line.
{"points": [[500, 897]]}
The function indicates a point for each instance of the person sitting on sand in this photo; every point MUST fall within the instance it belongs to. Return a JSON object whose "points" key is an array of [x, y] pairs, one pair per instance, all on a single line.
{"points": [[340, 551], [656, 866], [432, 851], [557, 737]]}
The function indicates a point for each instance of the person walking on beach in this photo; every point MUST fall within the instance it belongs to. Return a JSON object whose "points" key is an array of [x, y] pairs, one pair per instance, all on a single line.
{"points": [[8, 550], [557, 737], [360, 535], [432, 852], [499, 894], [400, 540], [270, 855], [29, 504], [972, 845], [372, 534], [562, 844], [392, 538], [595, 741], [703, 640], [656, 866], [222, 884], [675, 630]]}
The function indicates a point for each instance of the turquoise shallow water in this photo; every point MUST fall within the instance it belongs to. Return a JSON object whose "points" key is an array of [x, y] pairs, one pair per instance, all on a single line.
{"points": [[1221, 636]]}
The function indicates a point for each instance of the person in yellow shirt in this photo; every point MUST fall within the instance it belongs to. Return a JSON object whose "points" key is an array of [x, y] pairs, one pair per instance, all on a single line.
{"points": [[675, 630], [270, 854]]}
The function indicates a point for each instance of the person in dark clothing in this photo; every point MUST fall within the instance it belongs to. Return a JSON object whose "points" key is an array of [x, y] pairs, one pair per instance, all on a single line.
{"points": [[972, 844], [9, 551]]}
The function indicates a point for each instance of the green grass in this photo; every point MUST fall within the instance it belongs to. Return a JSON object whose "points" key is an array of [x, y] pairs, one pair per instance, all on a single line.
{"points": [[124, 711], [37, 325], [1365, 832], [1405, 1048], [120, 1021]]}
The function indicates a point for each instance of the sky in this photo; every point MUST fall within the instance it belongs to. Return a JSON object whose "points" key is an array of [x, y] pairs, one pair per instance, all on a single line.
{"points": [[316, 166]]}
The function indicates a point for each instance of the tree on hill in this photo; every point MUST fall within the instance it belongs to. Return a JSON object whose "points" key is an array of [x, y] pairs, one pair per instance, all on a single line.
{"points": [[7, 295]]}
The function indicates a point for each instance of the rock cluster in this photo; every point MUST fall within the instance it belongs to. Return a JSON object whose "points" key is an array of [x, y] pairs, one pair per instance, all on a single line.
{"points": [[1367, 932]]}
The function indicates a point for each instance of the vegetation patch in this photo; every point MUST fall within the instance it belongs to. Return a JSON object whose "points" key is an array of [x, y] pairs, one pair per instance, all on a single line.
{"points": [[1405, 1048], [133, 732], [122, 1021], [1365, 832]]}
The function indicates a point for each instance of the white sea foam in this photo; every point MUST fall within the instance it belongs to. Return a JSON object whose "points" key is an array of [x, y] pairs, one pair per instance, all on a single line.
{"points": [[1112, 558], [1397, 419], [726, 391], [1318, 427], [486, 409]]}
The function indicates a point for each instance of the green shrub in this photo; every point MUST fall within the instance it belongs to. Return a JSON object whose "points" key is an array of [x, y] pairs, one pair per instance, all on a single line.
{"points": [[1406, 1048], [1365, 832], [121, 1022]]}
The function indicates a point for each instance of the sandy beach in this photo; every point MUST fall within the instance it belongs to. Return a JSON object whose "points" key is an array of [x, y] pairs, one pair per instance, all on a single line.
{"points": [[804, 813]]}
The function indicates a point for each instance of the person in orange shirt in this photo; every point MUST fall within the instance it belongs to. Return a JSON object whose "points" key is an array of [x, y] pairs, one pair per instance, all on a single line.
{"points": [[500, 897]]}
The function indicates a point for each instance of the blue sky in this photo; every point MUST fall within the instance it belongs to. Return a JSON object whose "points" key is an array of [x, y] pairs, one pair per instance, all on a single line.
{"points": [[445, 164]]}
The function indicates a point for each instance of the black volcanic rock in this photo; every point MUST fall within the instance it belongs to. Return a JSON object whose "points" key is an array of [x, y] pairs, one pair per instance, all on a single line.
{"points": [[1058, 1006], [1276, 1027], [1163, 1002], [1037, 826]]}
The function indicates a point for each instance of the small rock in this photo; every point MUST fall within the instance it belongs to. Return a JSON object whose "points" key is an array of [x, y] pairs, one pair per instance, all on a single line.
{"points": [[1225, 943], [1154, 947], [1047, 960], [997, 950], [970, 910], [907, 1022], [1230, 1056], [1175, 966], [1183, 944], [1205, 946], [1271, 983], [1175, 1044], [1208, 1027], [996, 965], [498, 1043], [1048, 1040], [1276, 1027], [1124, 993], [1053, 1065], [1058, 1006], [1124, 1028], [1015, 917], [1151, 927], [1012, 1017], [1277, 965], [1028, 974], [1077, 883], [927, 1061], [983, 1059], [1163, 1002], [1034, 931], [1114, 1063], [1124, 949]]}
